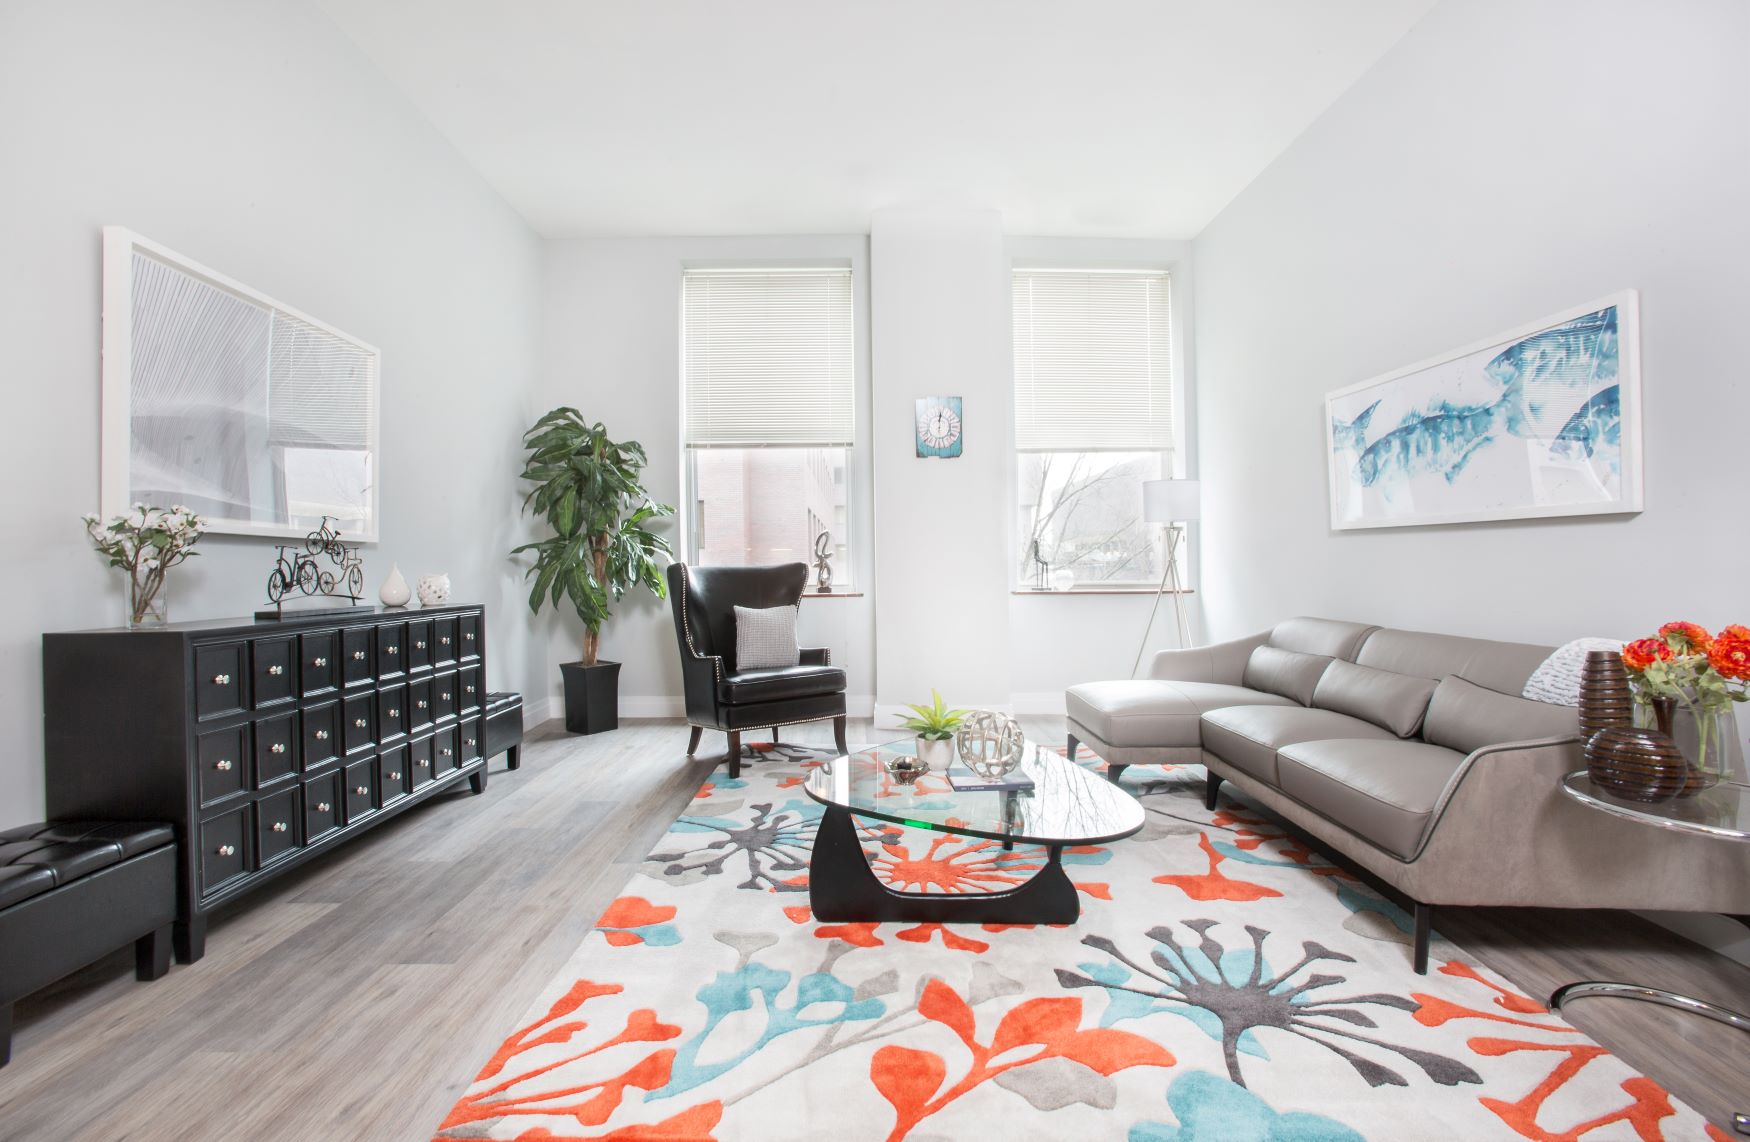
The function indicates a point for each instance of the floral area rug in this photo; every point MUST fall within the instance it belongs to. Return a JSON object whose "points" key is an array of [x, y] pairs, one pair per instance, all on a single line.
{"points": [[1225, 983]]}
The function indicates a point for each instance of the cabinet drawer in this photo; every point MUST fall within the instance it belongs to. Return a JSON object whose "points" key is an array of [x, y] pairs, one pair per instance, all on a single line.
{"points": [[446, 753], [444, 638], [276, 755], [468, 696], [419, 753], [391, 712], [469, 625], [355, 655], [321, 734], [393, 773], [218, 679], [276, 827], [361, 788], [419, 644], [391, 649], [318, 667], [223, 858], [273, 660], [443, 695], [321, 806], [358, 729], [419, 711], [471, 743], [220, 755]]}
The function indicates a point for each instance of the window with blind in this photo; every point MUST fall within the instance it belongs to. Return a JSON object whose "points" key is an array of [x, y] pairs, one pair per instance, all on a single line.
{"points": [[1094, 418], [767, 369]]}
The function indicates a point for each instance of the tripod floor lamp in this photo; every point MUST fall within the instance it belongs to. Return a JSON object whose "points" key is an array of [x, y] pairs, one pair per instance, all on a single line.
{"points": [[1174, 503]]}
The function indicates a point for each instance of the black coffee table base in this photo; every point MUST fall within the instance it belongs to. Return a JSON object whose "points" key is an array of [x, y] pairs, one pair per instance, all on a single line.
{"points": [[842, 888]]}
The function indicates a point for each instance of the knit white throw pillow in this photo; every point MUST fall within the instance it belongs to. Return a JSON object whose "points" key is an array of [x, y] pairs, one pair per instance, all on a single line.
{"points": [[765, 638], [1557, 681]]}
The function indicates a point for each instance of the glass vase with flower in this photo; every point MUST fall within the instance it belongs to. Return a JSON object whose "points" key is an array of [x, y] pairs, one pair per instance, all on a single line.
{"points": [[145, 544], [1686, 670]]}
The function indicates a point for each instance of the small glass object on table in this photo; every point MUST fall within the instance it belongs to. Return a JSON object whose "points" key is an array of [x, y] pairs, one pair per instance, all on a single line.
{"points": [[1722, 811], [1068, 805]]}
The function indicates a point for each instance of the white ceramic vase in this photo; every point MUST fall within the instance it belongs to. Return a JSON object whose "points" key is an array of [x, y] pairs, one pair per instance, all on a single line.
{"points": [[434, 590], [394, 592], [936, 753]]}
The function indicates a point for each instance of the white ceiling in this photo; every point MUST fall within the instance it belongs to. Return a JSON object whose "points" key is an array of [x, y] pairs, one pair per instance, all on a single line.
{"points": [[1124, 117]]}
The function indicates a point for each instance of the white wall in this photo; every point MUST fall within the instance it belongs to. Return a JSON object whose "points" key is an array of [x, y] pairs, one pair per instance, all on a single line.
{"points": [[611, 348], [1507, 160], [251, 136]]}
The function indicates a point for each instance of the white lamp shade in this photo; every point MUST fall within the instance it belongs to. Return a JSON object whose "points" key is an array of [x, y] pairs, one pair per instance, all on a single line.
{"points": [[1170, 501]]}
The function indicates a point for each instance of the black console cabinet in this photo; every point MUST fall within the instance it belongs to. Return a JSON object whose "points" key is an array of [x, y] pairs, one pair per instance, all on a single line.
{"points": [[263, 742]]}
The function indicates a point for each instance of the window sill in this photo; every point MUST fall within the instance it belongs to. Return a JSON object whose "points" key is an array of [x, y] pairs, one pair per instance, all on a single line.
{"points": [[832, 595], [1101, 591]]}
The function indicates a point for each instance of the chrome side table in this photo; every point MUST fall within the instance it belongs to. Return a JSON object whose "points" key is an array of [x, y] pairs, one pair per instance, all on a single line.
{"points": [[1723, 812]]}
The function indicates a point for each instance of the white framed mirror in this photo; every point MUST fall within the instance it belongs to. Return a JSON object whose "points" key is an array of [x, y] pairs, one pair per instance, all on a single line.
{"points": [[216, 397]]}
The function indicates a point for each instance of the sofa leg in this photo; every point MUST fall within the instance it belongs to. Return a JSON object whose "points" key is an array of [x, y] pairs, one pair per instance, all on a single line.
{"points": [[838, 734], [693, 742], [1074, 745], [152, 954], [734, 754], [5, 1033], [1424, 929], [1211, 786], [1115, 770]]}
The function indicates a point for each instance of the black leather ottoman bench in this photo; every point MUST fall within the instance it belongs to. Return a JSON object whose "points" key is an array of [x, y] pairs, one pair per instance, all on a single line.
{"points": [[504, 727], [74, 891]]}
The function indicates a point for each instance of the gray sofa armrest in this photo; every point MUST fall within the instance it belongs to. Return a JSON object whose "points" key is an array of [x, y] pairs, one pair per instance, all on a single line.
{"points": [[1219, 662]]}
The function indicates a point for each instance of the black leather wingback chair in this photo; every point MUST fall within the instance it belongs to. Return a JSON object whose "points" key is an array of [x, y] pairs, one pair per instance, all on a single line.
{"points": [[719, 695]]}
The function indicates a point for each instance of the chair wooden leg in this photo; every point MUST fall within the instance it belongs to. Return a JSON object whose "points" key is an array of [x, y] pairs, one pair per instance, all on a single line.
{"points": [[734, 753], [1424, 929], [838, 734], [693, 742], [152, 954], [775, 734]]}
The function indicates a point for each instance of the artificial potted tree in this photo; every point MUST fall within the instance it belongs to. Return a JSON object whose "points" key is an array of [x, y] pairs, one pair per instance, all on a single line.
{"points": [[587, 489]]}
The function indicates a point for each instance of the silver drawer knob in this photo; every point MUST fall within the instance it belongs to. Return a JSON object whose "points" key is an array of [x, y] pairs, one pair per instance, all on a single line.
{"points": [[321, 735], [469, 741], [448, 752], [419, 644], [221, 679], [445, 695], [394, 713], [395, 777], [227, 850], [422, 703], [360, 790], [276, 670], [279, 826], [361, 723], [358, 656], [277, 747], [423, 763], [469, 636], [445, 640], [470, 689], [318, 662], [324, 807], [392, 650], [222, 765]]}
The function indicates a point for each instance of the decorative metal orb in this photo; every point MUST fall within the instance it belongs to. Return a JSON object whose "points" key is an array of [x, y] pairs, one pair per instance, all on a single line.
{"points": [[989, 743]]}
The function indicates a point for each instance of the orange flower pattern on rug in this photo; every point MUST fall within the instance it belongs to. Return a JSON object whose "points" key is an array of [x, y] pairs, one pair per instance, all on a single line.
{"points": [[1225, 980]]}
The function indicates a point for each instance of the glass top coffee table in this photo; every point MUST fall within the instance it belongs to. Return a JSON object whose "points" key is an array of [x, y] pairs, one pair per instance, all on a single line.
{"points": [[1068, 805]]}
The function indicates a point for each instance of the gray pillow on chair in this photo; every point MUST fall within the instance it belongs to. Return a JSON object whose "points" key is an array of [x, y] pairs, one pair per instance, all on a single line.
{"points": [[765, 638]]}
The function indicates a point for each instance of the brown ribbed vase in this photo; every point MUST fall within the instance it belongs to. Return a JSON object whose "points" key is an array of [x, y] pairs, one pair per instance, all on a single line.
{"points": [[1638, 765], [1605, 699]]}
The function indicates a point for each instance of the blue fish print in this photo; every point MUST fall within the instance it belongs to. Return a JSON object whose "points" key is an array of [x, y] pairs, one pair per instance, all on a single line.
{"points": [[1595, 426], [1352, 437], [1538, 372]]}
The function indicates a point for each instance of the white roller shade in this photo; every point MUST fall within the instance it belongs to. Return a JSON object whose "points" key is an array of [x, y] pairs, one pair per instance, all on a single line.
{"points": [[1093, 361], [767, 357]]}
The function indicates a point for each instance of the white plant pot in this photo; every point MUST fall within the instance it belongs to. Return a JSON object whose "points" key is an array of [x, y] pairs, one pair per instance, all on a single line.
{"points": [[936, 753]]}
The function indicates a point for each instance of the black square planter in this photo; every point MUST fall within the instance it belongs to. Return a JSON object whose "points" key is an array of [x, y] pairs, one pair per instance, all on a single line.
{"points": [[592, 696]]}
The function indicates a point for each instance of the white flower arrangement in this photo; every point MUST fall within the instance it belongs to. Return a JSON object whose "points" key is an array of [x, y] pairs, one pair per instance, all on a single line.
{"points": [[146, 543]]}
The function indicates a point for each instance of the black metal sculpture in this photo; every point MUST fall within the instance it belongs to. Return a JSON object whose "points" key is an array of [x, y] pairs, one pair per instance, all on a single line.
{"points": [[299, 572]]}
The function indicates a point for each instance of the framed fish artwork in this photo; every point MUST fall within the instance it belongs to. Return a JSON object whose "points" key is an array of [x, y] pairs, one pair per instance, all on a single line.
{"points": [[1544, 420]]}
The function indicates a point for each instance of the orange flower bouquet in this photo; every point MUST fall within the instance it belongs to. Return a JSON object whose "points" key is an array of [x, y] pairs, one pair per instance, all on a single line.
{"points": [[1704, 673]]}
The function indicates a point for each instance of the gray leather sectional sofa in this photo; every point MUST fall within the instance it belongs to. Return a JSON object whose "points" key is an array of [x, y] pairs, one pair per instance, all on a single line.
{"points": [[1413, 756]]}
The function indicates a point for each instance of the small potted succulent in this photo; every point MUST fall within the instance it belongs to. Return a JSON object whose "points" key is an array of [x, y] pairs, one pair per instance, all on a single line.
{"points": [[935, 725]]}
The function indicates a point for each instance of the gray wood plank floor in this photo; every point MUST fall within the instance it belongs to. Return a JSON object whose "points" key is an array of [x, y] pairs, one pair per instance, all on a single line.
{"points": [[356, 997]]}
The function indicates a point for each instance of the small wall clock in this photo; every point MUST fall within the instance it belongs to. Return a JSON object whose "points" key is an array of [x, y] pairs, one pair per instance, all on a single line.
{"points": [[938, 427]]}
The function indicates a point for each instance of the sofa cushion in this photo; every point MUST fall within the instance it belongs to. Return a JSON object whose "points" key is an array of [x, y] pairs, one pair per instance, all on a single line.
{"points": [[1285, 672], [1384, 791], [1394, 701], [1247, 737], [1466, 717], [1329, 637], [1151, 713], [1503, 666], [779, 684]]}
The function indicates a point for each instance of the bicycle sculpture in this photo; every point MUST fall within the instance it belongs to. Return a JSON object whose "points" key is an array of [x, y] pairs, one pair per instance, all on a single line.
{"points": [[300, 572]]}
